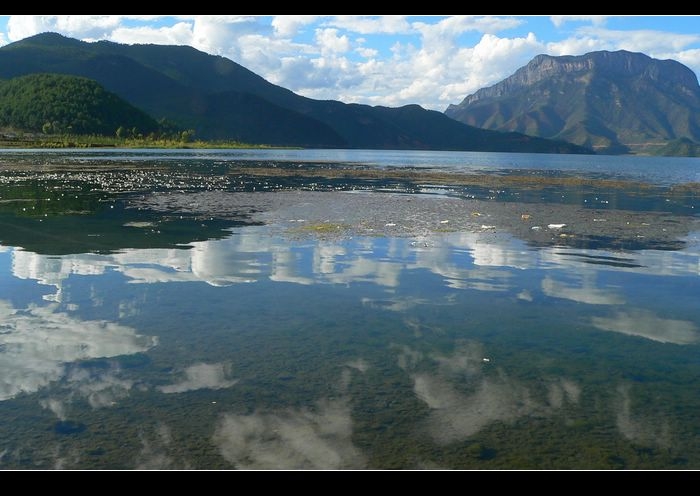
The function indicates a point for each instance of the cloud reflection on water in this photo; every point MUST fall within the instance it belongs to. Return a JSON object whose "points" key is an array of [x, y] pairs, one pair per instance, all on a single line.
{"points": [[584, 290], [463, 260], [202, 376], [463, 399], [637, 427], [102, 388], [319, 438], [154, 450], [310, 438], [36, 343], [645, 324]]}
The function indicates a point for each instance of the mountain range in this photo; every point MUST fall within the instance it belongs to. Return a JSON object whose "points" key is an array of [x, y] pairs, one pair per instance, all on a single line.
{"points": [[220, 99], [613, 102]]}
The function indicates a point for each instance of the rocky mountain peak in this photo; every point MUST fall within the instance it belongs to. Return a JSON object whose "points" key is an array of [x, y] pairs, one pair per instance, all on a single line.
{"points": [[620, 63], [614, 102]]}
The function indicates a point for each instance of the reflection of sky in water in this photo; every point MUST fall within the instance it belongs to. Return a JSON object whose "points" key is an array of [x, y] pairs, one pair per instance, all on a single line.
{"points": [[462, 260], [200, 376], [289, 354], [292, 439], [37, 342], [457, 414], [647, 325]]}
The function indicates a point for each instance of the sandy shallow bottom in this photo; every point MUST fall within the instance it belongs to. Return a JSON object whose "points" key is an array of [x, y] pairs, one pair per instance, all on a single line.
{"points": [[300, 214]]}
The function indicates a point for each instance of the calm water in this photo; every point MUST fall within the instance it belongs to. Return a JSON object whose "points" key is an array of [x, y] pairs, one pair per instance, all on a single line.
{"points": [[655, 170], [145, 338]]}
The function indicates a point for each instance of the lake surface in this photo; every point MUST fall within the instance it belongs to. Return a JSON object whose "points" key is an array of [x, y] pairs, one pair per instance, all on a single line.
{"points": [[143, 329]]}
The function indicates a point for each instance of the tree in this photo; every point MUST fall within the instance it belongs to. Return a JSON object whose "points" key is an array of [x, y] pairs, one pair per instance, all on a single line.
{"points": [[187, 136], [56, 103]]}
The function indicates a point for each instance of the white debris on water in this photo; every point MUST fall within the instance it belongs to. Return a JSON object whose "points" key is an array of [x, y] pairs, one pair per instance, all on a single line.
{"points": [[138, 224], [555, 226], [525, 295]]}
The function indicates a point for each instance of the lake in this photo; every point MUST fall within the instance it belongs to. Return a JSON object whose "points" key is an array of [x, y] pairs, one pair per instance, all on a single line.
{"points": [[348, 309]]}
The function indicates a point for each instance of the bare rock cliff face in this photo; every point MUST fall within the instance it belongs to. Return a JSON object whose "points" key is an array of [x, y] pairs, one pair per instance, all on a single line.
{"points": [[608, 100], [621, 63]]}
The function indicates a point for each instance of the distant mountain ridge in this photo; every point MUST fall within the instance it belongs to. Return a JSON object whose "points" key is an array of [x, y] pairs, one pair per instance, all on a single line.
{"points": [[615, 102], [221, 99]]}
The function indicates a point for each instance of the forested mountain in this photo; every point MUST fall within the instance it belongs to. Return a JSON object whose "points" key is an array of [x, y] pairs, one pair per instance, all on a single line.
{"points": [[55, 103], [221, 99]]}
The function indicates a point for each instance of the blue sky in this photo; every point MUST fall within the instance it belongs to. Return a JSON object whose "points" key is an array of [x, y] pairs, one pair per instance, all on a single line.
{"points": [[382, 60]]}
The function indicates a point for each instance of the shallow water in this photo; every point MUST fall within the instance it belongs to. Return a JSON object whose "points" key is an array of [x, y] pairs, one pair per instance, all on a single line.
{"points": [[662, 171], [140, 337]]}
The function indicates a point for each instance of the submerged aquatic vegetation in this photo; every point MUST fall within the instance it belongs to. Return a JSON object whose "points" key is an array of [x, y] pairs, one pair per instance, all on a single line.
{"points": [[211, 315]]}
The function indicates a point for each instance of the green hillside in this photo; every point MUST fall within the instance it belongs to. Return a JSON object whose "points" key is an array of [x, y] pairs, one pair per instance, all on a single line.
{"points": [[682, 147], [221, 99], [55, 103]]}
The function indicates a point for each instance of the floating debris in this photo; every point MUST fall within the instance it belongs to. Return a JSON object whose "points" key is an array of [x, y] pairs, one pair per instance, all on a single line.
{"points": [[389, 224], [484, 226], [444, 221], [524, 295], [525, 217], [486, 360], [138, 224], [555, 226]]}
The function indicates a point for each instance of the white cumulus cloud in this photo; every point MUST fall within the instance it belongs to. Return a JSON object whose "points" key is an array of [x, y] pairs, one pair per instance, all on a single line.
{"points": [[287, 26], [560, 20], [391, 24], [330, 41], [178, 34], [390, 60]]}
